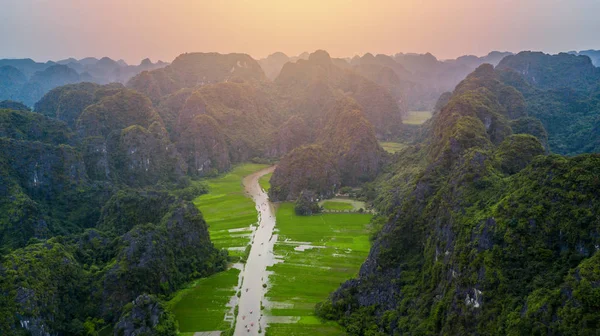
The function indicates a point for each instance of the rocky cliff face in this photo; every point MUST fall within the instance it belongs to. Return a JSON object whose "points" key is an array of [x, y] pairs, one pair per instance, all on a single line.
{"points": [[312, 86], [40, 174], [562, 92], [196, 69], [203, 145], [11, 82], [292, 134], [158, 258], [552, 71], [146, 315], [125, 140], [351, 138], [305, 168], [479, 239], [34, 290], [246, 115]]}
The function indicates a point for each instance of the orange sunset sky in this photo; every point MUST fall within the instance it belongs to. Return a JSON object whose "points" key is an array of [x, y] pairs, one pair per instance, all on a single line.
{"points": [[135, 29]]}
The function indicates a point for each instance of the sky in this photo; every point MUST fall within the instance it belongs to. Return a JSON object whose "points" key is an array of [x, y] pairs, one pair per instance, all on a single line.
{"points": [[162, 29]]}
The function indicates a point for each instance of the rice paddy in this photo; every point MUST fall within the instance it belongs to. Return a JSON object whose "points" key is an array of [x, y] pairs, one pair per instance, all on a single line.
{"points": [[202, 305], [333, 205], [416, 117], [342, 204], [392, 147], [227, 209], [316, 253], [230, 213]]}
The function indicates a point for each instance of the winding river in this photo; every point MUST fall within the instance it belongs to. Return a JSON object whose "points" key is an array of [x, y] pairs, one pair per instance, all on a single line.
{"points": [[249, 320]]}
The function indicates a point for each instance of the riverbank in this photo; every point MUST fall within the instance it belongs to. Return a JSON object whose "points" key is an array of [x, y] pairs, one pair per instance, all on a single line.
{"points": [[249, 320], [208, 304]]}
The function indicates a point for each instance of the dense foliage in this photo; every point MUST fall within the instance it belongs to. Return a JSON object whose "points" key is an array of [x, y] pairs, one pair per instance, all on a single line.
{"points": [[483, 235], [310, 168], [563, 92], [146, 315], [307, 204], [478, 231], [312, 86], [54, 286], [347, 154]]}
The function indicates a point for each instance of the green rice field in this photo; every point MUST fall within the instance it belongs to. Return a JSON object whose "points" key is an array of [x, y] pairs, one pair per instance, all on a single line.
{"points": [[392, 147], [264, 181], [342, 204], [318, 253], [202, 305], [333, 205], [416, 117], [228, 211]]}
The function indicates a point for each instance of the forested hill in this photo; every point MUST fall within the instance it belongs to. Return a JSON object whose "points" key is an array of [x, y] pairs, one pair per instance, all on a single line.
{"points": [[481, 227], [563, 91], [481, 231], [97, 226]]}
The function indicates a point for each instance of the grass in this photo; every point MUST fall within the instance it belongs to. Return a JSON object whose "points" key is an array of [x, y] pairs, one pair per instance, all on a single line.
{"points": [[333, 205], [264, 181], [416, 117], [337, 205], [228, 210], [203, 304], [308, 277], [342, 203], [392, 147]]}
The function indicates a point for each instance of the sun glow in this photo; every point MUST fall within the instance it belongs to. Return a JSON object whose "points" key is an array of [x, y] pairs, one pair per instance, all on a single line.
{"points": [[139, 28]]}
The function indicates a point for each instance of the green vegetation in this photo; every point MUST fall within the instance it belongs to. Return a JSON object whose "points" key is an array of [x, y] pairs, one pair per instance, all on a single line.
{"points": [[305, 168], [264, 182], [351, 138], [342, 203], [228, 210], [347, 152], [480, 232], [336, 205], [188, 69], [562, 92], [146, 315], [338, 244], [306, 204], [416, 117], [310, 87], [202, 305], [392, 147]]}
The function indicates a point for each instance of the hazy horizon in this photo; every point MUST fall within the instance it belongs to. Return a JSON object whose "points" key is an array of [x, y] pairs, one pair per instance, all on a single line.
{"points": [[59, 29]]}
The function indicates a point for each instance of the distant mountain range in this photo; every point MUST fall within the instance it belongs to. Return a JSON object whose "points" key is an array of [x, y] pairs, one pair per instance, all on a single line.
{"points": [[594, 55], [27, 81], [415, 80]]}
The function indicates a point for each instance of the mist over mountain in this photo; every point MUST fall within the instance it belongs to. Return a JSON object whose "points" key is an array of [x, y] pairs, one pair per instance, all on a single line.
{"points": [[27, 81]]}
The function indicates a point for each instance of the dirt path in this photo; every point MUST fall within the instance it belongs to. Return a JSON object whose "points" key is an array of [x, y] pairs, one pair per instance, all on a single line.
{"points": [[261, 255]]}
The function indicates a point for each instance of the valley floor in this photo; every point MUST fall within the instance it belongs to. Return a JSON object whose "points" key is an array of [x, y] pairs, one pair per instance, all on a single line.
{"points": [[306, 258], [314, 255]]}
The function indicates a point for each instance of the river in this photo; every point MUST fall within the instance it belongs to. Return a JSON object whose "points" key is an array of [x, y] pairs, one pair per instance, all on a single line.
{"points": [[249, 320]]}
